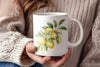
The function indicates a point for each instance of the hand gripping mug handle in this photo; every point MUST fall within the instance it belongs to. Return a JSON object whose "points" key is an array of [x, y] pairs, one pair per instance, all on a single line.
{"points": [[81, 34]]}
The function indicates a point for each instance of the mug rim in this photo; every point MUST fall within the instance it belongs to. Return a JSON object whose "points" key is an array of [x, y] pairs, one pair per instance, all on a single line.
{"points": [[49, 14]]}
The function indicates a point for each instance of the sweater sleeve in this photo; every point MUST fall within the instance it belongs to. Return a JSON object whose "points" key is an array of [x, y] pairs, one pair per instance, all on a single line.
{"points": [[12, 43], [12, 40], [11, 47], [92, 58]]}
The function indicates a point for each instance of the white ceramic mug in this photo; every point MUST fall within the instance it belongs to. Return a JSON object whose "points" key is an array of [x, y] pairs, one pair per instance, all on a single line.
{"points": [[51, 33]]}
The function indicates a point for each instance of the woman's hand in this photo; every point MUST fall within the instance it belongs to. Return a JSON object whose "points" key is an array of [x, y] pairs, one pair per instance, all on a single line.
{"points": [[30, 49], [59, 61], [52, 61]]}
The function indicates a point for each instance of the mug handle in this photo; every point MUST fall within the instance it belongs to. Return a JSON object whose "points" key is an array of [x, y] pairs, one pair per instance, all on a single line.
{"points": [[81, 34]]}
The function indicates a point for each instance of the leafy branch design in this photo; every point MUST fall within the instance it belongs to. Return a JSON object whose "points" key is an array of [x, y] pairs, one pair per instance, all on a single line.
{"points": [[50, 33]]}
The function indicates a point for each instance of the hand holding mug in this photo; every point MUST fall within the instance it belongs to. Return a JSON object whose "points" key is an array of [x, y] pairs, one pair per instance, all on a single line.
{"points": [[52, 61], [30, 52], [51, 33], [59, 61]]}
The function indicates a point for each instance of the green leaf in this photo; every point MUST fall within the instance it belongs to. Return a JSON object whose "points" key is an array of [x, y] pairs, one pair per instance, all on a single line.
{"points": [[44, 27], [57, 39], [37, 48], [63, 28], [50, 25], [52, 38], [55, 23], [46, 47], [57, 32], [61, 21]]}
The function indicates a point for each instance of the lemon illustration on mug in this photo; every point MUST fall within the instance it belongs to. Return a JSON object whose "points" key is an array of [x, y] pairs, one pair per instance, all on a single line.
{"points": [[41, 41], [50, 43], [50, 34]]}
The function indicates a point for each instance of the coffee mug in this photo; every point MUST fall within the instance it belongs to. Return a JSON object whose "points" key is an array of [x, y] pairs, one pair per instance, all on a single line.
{"points": [[51, 33]]}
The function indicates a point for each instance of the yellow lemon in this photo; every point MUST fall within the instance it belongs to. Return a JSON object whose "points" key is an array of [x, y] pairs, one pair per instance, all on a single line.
{"points": [[41, 41], [50, 43], [53, 35], [47, 30]]}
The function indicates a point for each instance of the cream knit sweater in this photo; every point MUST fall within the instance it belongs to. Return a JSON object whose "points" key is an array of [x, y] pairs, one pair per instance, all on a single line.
{"points": [[13, 43]]}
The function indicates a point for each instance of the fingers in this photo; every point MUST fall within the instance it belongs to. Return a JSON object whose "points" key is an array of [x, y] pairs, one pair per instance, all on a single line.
{"points": [[62, 60], [30, 48], [39, 59], [52, 62], [69, 51]]}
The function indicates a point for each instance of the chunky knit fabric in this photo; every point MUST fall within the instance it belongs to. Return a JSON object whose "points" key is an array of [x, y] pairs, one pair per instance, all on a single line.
{"points": [[86, 11], [12, 41], [11, 47], [91, 52]]}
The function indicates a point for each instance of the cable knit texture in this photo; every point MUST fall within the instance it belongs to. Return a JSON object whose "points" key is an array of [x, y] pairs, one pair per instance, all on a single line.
{"points": [[11, 47], [92, 58], [12, 41], [83, 10]]}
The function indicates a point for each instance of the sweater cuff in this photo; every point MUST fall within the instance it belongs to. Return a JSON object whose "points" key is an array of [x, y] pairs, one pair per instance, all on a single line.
{"points": [[16, 55]]}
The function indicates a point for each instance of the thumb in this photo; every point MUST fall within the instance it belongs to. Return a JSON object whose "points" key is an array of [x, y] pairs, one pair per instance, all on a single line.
{"points": [[30, 48]]}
